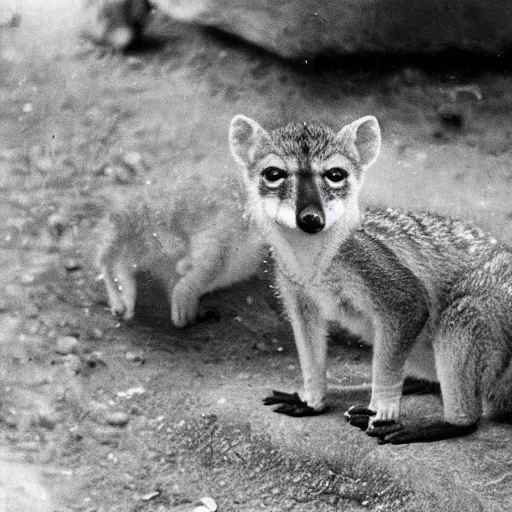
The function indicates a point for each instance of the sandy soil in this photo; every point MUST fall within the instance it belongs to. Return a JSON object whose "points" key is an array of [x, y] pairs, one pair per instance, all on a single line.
{"points": [[143, 416]]}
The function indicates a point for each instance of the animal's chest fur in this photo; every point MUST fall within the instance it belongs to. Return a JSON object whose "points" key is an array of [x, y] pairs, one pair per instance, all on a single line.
{"points": [[348, 307]]}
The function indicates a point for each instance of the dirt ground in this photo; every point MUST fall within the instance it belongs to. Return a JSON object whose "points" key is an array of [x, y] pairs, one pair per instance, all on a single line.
{"points": [[144, 416]]}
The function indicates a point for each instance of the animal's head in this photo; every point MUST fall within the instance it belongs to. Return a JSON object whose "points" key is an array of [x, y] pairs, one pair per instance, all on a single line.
{"points": [[304, 175]]}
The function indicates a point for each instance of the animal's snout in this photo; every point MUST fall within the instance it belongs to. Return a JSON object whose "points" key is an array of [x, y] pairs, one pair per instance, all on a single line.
{"points": [[311, 220]]}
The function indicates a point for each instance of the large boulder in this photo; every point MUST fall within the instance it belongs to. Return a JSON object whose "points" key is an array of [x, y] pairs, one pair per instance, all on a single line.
{"points": [[302, 28], [297, 29]]}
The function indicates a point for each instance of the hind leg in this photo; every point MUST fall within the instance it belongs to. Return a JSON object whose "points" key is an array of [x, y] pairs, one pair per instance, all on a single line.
{"points": [[458, 346], [201, 269]]}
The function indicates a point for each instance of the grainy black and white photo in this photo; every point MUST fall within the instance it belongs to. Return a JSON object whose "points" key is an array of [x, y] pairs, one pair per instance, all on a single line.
{"points": [[257, 255]]}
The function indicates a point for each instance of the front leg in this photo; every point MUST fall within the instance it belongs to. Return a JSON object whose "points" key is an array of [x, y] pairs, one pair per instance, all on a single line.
{"points": [[390, 352], [310, 334]]}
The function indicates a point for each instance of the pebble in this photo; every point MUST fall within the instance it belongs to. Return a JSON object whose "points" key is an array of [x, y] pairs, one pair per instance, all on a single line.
{"points": [[120, 174], [130, 392], [209, 503], [9, 421], [107, 437], [134, 357], [32, 311], [47, 420], [71, 265], [133, 159], [56, 225], [27, 278], [44, 164], [97, 333], [95, 358], [135, 63], [117, 419], [150, 496], [451, 116], [66, 345]]}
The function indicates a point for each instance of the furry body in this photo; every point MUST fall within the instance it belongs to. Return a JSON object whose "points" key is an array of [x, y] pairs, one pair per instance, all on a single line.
{"points": [[199, 221], [432, 295]]}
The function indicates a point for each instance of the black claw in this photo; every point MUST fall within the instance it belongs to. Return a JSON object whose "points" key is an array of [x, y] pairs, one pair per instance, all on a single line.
{"points": [[278, 397], [359, 410], [359, 416], [383, 428], [289, 404], [361, 422], [296, 411]]}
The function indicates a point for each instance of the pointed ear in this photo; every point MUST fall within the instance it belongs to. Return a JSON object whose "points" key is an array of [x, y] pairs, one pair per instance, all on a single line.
{"points": [[362, 135], [246, 138]]}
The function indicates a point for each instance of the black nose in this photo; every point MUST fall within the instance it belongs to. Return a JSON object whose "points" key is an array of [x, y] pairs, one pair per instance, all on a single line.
{"points": [[311, 220]]}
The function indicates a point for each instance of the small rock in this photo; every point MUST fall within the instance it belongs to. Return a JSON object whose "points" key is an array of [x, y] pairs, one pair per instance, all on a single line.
{"points": [[201, 508], [27, 108], [130, 392], [261, 346], [117, 419], [135, 357], [66, 345], [72, 362], [44, 164], [120, 174], [47, 420], [451, 116], [32, 311], [56, 225], [150, 496], [95, 358], [107, 436], [209, 503], [132, 159], [9, 421], [97, 333], [27, 278], [135, 63], [72, 265]]}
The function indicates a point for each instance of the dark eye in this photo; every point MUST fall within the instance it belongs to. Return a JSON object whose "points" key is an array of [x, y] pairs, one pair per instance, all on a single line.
{"points": [[273, 175], [336, 175]]}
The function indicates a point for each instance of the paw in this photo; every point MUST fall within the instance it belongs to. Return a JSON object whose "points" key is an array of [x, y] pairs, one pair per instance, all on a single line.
{"points": [[384, 430], [120, 309], [359, 416], [290, 404], [184, 304]]}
